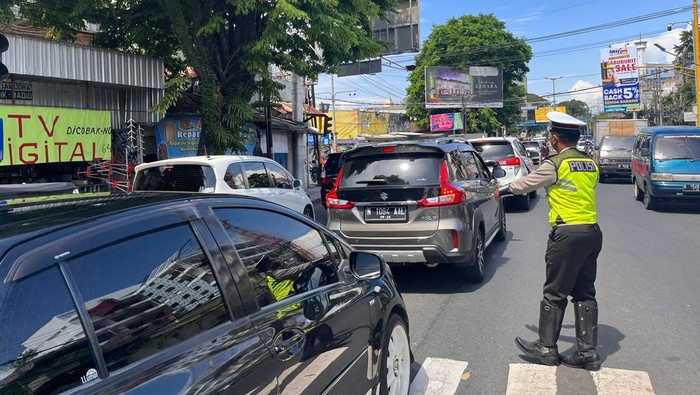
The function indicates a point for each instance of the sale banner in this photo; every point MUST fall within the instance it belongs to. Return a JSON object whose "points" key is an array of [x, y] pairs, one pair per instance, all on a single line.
{"points": [[620, 77]]}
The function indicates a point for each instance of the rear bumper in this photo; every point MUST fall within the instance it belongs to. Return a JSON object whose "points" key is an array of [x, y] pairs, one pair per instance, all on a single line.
{"points": [[615, 170], [673, 190], [418, 255]]}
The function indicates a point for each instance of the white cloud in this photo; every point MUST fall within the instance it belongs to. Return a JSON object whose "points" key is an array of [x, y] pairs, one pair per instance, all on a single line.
{"points": [[587, 92]]}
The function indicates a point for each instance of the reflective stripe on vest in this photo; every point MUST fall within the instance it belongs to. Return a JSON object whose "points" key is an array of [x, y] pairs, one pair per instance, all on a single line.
{"points": [[572, 198]]}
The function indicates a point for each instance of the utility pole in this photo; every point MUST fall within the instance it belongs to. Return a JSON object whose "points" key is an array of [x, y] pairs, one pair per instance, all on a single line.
{"points": [[554, 91], [334, 145], [696, 40]]}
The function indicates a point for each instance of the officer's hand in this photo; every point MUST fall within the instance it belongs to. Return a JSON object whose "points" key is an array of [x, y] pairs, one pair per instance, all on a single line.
{"points": [[503, 192]]}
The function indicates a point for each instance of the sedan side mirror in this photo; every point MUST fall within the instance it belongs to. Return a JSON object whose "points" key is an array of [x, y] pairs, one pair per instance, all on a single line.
{"points": [[296, 184], [366, 266], [498, 172]]}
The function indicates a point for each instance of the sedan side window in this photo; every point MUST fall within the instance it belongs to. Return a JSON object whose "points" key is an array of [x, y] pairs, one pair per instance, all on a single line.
{"points": [[148, 292], [256, 174], [280, 177], [234, 176], [458, 165], [44, 348], [473, 172], [283, 256], [483, 169]]}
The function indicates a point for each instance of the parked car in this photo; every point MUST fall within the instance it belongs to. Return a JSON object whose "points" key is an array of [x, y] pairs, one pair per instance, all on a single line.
{"points": [[330, 172], [242, 175], [614, 157], [534, 150], [666, 165], [581, 145], [510, 155], [192, 293], [418, 202]]}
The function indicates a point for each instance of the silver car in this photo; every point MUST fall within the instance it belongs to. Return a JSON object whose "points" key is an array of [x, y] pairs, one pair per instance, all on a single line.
{"points": [[418, 202]]}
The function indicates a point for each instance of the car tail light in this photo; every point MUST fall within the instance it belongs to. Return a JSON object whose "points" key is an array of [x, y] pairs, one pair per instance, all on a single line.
{"points": [[509, 162], [455, 239], [388, 149], [448, 195], [332, 200]]}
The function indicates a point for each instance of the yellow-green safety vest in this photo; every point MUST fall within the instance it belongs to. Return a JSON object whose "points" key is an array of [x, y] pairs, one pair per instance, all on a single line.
{"points": [[572, 198]]}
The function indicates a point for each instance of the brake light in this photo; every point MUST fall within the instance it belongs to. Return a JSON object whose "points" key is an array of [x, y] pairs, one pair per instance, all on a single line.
{"points": [[509, 162], [332, 200], [388, 149], [448, 195]]}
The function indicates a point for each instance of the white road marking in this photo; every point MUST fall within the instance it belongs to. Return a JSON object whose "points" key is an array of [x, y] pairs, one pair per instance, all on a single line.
{"points": [[618, 381], [438, 376], [530, 379]]}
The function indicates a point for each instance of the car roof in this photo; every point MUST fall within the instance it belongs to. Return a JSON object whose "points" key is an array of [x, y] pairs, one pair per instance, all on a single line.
{"points": [[657, 130], [492, 139], [212, 160], [449, 147]]}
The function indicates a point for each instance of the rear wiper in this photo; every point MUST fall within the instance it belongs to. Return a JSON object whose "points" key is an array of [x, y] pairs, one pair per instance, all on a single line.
{"points": [[380, 181]]}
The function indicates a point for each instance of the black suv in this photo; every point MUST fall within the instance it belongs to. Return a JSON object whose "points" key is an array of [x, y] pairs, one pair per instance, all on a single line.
{"points": [[168, 294], [418, 202], [330, 173]]}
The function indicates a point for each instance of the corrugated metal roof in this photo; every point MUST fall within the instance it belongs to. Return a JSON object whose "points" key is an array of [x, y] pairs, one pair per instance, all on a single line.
{"points": [[32, 56]]}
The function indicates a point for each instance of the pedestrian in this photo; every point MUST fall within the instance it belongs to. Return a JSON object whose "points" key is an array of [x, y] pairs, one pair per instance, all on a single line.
{"points": [[575, 241]]}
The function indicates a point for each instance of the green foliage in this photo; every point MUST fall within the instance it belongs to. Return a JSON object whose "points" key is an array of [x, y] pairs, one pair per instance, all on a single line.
{"points": [[229, 43], [576, 108], [474, 41]]}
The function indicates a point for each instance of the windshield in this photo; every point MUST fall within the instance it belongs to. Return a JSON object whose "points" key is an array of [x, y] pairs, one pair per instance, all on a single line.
{"points": [[617, 143], [494, 150], [176, 178], [406, 170], [531, 144], [677, 147], [332, 164]]}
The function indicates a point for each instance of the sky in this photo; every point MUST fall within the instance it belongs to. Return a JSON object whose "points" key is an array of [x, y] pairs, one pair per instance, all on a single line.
{"points": [[575, 58]]}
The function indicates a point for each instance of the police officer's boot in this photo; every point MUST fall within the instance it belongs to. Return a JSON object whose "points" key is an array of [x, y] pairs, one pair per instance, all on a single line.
{"points": [[585, 355], [545, 349]]}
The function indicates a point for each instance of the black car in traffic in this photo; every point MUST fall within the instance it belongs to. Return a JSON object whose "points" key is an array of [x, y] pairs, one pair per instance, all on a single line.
{"points": [[167, 294], [331, 167]]}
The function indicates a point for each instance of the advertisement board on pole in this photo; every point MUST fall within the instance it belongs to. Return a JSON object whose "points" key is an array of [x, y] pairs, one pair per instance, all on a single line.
{"points": [[177, 137], [541, 113], [448, 87], [618, 68], [446, 122]]}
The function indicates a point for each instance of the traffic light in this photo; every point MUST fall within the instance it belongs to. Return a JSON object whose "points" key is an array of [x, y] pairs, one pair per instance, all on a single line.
{"points": [[4, 45], [327, 125]]}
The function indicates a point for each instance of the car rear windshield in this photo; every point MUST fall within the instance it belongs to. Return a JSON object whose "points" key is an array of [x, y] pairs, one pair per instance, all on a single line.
{"points": [[617, 143], [176, 178], [332, 165], [391, 169], [531, 144], [677, 147], [494, 150]]}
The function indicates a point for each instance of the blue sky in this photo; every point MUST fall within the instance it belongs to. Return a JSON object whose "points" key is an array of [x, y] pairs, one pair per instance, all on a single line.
{"points": [[575, 58]]}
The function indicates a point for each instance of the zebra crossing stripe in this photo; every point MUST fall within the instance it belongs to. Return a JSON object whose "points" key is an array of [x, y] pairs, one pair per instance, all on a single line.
{"points": [[438, 376], [530, 379], [618, 381]]}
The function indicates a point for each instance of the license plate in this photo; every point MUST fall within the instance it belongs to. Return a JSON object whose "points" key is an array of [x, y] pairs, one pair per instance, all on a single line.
{"points": [[623, 166], [388, 213], [691, 188]]}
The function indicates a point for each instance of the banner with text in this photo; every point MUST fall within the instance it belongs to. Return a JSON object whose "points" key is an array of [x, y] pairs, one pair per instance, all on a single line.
{"points": [[618, 68], [448, 87], [541, 113], [178, 136], [446, 122], [31, 135]]}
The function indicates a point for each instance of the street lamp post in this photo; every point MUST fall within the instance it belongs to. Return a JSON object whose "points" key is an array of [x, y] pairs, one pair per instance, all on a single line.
{"points": [[334, 144], [554, 92]]}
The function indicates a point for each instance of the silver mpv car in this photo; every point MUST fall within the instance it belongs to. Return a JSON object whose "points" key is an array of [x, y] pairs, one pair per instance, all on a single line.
{"points": [[418, 202]]}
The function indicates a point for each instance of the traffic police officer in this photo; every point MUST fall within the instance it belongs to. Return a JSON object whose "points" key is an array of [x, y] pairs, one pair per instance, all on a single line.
{"points": [[574, 243]]}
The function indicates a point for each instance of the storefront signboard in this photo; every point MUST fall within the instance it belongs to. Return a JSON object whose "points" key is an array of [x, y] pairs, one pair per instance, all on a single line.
{"points": [[178, 136], [32, 135]]}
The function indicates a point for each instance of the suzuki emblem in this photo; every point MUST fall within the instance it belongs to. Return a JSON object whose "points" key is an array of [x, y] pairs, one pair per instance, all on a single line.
{"points": [[383, 195]]}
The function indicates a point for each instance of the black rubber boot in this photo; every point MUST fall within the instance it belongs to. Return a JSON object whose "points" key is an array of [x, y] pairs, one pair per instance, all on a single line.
{"points": [[545, 349], [585, 356]]}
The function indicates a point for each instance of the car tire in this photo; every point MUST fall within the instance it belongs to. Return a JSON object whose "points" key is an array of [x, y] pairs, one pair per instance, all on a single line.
{"points": [[649, 201], [309, 212], [638, 193], [475, 272], [601, 179], [502, 226], [524, 202], [395, 365]]}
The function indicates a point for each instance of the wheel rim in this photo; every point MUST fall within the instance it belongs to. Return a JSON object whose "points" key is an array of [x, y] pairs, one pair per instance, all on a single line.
{"points": [[480, 252], [307, 212], [647, 198], [398, 362]]}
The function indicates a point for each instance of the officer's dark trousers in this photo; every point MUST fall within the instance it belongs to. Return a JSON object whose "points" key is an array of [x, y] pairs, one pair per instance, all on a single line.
{"points": [[571, 257]]}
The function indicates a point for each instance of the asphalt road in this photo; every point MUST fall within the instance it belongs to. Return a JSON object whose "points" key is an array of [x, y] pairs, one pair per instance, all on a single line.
{"points": [[648, 295]]}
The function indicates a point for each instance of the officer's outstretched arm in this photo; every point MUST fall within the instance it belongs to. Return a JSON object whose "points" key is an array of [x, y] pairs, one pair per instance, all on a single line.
{"points": [[544, 175]]}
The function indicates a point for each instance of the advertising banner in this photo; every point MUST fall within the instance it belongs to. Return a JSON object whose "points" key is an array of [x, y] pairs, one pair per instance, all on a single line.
{"points": [[446, 122], [448, 87], [177, 137], [541, 113], [618, 68], [31, 135]]}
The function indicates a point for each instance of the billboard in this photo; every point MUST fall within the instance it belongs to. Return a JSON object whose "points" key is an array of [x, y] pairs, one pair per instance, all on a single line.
{"points": [[30, 135], [618, 68], [448, 87], [446, 122], [541, 113], [178, 136]]}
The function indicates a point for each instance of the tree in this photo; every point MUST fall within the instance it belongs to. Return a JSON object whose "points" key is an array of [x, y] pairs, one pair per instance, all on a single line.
{"points": [[230, 44], [576, 108], [474, 41]]}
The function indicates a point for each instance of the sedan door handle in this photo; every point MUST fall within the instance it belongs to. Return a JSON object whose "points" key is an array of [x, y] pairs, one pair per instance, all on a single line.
{"points": [[288, 343]]}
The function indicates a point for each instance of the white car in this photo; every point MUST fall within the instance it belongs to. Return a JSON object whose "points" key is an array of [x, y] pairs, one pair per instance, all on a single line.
{"points": [[510, 155], [234, 174]]}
